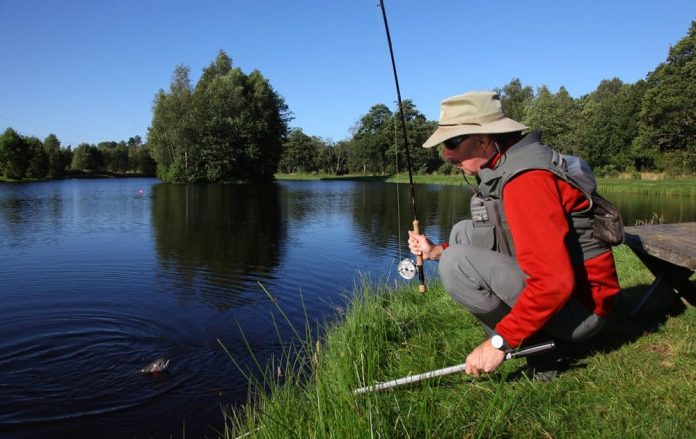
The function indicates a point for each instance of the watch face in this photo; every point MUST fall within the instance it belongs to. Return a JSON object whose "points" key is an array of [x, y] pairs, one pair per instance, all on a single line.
{"points": [[497, 341]]}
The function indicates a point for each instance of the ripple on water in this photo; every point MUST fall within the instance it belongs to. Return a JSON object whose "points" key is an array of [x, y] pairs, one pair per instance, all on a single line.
{"points": [[79, 363]]}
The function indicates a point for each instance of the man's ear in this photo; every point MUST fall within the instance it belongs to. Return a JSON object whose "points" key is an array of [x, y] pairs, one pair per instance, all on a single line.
{"points": [[484, 140]]}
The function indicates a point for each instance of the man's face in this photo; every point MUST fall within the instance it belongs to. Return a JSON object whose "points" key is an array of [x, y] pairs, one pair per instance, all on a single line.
{"points": [[470, 154]]}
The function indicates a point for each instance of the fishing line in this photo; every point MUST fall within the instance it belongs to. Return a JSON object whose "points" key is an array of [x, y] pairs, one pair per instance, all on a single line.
{"points": [[398, 202], [404, 268]]}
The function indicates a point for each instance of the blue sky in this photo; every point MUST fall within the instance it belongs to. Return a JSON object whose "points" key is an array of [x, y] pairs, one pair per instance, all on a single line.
{"points": [[89, 70]]}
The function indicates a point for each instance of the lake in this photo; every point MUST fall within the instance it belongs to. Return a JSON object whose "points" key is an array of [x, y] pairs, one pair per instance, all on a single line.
{"points": [[100, 277]]}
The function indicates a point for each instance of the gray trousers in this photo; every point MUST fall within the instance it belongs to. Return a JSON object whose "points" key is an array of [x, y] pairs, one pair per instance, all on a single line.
{"points": [[488, 284]]}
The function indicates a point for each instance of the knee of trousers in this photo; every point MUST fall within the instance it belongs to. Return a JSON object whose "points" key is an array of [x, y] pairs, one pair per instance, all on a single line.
{"points": [[462, 281]]}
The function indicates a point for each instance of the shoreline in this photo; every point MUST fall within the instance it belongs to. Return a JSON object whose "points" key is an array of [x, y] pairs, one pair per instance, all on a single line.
{"points": [[389, 332]]}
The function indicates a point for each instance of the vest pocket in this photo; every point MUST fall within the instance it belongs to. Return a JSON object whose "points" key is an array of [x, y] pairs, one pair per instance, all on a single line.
{"points": [[483, 235]]}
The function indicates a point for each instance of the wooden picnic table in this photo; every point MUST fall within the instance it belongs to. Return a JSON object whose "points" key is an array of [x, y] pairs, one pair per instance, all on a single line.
{"points": [[669, 252]]}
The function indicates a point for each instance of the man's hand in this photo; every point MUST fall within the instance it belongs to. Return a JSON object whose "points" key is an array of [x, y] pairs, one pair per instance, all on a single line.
{"points": [[421, 245], [484, 359]]}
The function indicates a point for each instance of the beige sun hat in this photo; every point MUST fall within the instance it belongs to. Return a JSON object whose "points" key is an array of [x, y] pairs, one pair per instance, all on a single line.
{"points": [[475, 112]]}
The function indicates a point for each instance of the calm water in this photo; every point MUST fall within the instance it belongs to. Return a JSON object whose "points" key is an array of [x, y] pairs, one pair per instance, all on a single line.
{"points": [[100, 277]]}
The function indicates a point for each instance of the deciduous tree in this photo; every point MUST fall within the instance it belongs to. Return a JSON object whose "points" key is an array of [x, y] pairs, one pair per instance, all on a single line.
{"points": [[15, 154], [667, 119]]}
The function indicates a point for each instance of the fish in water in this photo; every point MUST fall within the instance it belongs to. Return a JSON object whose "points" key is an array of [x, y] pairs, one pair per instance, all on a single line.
{"points": [[157, 366]]}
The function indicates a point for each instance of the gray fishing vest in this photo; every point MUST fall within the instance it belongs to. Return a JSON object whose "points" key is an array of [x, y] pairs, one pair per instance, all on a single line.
{"points": [[491, 229]]}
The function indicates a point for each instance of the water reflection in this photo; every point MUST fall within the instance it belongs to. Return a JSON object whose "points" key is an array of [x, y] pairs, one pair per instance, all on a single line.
{"points": [[642, 207], [22, 213], [375, 208], [217, 238]]}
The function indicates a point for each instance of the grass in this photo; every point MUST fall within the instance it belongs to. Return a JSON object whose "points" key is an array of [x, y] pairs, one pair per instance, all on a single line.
{"points": [[674, 186], [636, 380]]}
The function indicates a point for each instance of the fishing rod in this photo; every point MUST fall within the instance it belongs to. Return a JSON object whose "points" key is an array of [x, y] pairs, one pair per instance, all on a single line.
{"points": [[406, 266], [520, 353]]}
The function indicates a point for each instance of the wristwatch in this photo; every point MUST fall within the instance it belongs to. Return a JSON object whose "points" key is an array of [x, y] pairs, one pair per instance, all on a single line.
{"points": [[498, 342]]}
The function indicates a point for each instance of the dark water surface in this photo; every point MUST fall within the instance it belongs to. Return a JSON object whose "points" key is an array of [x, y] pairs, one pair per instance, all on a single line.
{"points": [[100, 277]]}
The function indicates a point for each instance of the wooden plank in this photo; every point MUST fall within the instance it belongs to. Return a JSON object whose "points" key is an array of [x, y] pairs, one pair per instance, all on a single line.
{"points": [[669, 252], [674, 243]]}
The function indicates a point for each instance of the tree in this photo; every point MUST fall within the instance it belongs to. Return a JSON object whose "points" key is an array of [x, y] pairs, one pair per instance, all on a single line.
{"points": [[333, 157], [418, 129], [38, 163], [609, 124], [230, 127], [171, 134], [15, 154], [372, 136], [57, 160], [667, 121], [114, 156], [557, 116], [300, 152], [516, 99], [139, 159], [87, 157]]}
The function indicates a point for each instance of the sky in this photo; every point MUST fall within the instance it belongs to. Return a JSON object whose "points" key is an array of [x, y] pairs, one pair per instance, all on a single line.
{"points": [[88, 71]]}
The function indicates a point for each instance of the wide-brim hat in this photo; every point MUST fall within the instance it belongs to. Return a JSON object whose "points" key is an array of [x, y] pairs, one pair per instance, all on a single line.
{"points": [[475, 112]]}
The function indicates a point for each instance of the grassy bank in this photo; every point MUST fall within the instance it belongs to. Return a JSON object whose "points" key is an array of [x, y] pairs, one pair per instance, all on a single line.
{"points": [[636, 380], [673, 186]]}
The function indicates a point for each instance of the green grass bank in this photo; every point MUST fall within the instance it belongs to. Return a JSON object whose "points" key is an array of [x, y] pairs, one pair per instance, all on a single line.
{"points": [[637, 379]]}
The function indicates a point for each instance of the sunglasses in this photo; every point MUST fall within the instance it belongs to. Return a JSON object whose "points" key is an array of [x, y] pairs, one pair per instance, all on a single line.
{"points": [[455, 141]]}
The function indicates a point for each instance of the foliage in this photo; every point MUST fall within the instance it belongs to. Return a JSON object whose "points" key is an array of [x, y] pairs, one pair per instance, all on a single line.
{"points": [[229, 127], [372, 136], [114, 156], [38, 161], [300, 152], [27, 158], [557, 116], [609, 123], [378, 147], [15, 155], [516, 99], [87, 157], [139, 159], [333, 157], [58, 158], [667, 121], [418, 128], [171, 133]]}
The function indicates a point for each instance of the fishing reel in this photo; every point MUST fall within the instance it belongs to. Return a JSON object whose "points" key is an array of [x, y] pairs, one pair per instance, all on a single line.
{"points": [[407, 269]]}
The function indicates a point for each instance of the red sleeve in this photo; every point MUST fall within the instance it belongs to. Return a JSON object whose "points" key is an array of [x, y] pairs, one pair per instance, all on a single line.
{"points": [[535, 206]]}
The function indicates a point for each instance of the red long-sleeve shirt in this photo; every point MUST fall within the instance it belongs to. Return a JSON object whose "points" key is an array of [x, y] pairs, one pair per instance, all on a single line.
{"points": [[537, 204]]}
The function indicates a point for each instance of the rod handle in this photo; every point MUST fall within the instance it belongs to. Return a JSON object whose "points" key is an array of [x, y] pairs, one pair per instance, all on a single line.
{"points": [[531, 350], [419, 262]]}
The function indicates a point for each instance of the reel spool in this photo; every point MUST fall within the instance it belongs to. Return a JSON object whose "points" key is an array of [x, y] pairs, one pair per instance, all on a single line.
{"points": [[407, 269]]}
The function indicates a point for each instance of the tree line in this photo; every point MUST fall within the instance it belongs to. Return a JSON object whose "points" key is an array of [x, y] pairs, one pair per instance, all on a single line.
{"points": [[646, 126], [232, 126], [27, 157]]}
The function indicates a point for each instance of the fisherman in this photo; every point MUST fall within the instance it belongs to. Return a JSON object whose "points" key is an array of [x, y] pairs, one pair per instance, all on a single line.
{"points": [[527, 264]]}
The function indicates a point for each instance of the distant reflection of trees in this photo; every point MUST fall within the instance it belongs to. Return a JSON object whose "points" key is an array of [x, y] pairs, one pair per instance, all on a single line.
{"points": [[375, 207], [216, 238], [22, 215]]}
